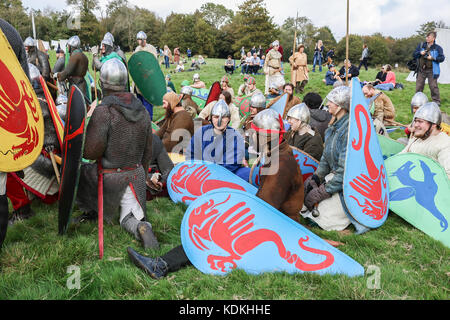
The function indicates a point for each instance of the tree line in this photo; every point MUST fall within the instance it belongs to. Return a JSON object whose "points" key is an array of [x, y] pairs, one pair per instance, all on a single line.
{"points": [[212, 30]]}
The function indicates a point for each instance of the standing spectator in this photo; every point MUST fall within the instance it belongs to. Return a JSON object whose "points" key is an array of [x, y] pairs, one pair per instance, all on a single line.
{"points": [[242, 51], [330, 56], [299, 74], [364, 57], [189, 53], [253, 50], [318, 56], [229, 65], [389, 83], [260, 52], [166, 56], [429, 55], [176, 53]]}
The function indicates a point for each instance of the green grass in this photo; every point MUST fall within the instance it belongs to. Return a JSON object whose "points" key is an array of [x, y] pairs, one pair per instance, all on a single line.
{"points": [[35, 258]]}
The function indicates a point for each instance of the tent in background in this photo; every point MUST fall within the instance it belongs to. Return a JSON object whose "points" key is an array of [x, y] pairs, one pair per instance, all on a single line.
{"points": [[442, 39]]}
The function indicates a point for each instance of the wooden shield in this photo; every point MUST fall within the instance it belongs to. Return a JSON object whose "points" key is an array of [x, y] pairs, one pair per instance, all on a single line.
{"points": [[148, 77], [72, 152], [243, 103], [214, 93], [366, 191], [189, 180], [21, 121], [419, 193], [57, 122], [389, 147], [200, 96], [227, 229]]}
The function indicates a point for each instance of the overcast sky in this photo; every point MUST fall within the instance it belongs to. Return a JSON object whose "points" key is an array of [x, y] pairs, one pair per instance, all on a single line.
{"points": [[397, 18]]}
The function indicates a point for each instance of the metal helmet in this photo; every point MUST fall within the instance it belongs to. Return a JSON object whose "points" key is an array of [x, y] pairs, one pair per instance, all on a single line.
{"points": [[114, 75], [196, 76], [74, 42], [300, 112], [430, 112], [29, 42], [258, 101], [418, 100], [221, 110], [268, 119], [108, 39], [340, 96], [34, 72], [186, 90], [141, 35]]}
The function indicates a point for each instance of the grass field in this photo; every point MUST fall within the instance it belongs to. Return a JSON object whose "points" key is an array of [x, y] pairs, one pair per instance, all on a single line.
{"points": [[36, 262]]}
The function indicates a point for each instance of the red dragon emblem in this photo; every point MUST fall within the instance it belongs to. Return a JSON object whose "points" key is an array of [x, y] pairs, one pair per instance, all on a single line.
{"points": [[232, 232], [197, 182], [15, 100], [370, 187]]}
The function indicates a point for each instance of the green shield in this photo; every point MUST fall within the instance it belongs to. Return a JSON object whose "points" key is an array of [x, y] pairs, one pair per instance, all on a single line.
{"points": [[389, 147], [419, 193], [148, 77], [200, 96]]}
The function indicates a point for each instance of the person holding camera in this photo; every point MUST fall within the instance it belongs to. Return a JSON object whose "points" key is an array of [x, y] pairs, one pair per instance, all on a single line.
{"points": [[429, 56]]}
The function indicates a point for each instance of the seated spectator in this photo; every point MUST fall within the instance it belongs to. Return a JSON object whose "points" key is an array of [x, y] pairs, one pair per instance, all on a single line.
{"points": [[331, 76], [201, 60], [170, 83], [319, 118], [179, 67], [194, 65], [235, 119], [229, 65], [389, 83], [353, 71], [248, 63], [261, 61], [301, 135], [380, 77], [255, 64]]}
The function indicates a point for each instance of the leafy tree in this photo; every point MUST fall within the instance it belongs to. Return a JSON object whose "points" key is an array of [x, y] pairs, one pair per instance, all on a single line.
{"points": [[14, 12], [216, 15]]}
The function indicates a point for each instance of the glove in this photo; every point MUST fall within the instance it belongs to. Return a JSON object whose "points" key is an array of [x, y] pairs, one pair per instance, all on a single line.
{"points": [[311, 183], [315, 196], [94, 50]]}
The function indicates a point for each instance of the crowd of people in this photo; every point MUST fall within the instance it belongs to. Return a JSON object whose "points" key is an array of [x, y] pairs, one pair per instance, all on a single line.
{"points": [[135, 162]]}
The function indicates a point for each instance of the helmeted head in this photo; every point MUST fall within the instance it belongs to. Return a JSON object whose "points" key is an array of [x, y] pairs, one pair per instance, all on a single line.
{"points": [[196, 77], [298, 116], [186, 90], [29, 42], [339, 98], [269, 123], [220, 115], [418, 100], [108, 39], [426, 117], [74, 43], [113, 75], [257, 103], [61, 99], [141, 35]]}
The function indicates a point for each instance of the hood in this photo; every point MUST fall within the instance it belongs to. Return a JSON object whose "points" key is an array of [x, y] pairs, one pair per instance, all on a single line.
{"points": [[127, 104], [320, 115]]}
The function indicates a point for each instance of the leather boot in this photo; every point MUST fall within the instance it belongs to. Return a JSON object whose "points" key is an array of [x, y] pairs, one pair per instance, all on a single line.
{"points": [[155, 267], [21, 214], [141, 230]]}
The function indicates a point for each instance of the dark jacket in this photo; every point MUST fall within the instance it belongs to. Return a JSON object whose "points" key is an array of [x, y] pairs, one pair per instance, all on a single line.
{"points": [[311, 144], [40, 60], [353, 71], [319, 120], [76, 70], [436, 52]]}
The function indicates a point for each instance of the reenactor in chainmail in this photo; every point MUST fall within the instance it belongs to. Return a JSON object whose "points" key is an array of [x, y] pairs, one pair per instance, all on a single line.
{"points": [[76, 69], [37, 57], [108, 51], [119, 136], [188, 104]]}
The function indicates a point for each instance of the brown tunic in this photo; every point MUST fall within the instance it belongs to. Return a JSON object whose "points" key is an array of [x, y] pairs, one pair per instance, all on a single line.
{"points": [[299, 72], [284, 189], [179, 120]]}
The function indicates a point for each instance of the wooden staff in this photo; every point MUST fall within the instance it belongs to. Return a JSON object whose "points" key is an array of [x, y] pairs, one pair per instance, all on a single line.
{"points": [[95, 83], [346, 44], [55, 167], [100, 208]]}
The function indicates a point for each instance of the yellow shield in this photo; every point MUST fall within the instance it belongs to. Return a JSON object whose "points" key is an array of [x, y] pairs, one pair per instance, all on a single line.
{"points": [[21, 122]]}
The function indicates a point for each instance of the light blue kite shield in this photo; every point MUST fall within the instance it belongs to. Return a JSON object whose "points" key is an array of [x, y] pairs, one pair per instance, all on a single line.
{"points": [[366, 190], [228, 229], [280, 105], [420, 193], [307, 164], [189, 180]]}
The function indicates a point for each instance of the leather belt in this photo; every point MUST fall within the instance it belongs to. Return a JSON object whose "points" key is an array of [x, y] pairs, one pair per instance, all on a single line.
{"points": [[118, 170]]}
